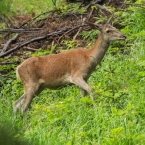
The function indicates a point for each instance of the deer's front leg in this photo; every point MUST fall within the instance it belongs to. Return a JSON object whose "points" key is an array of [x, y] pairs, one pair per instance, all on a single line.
{"points": [[80, 82]]}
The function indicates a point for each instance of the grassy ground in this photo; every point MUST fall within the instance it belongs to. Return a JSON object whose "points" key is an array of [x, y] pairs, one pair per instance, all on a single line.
{"points": [[64, 118]]}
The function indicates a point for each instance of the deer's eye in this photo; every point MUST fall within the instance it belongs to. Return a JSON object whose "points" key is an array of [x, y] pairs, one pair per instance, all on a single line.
{"points": [[108, 31]]}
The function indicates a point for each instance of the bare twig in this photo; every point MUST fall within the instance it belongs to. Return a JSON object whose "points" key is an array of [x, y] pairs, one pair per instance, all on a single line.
{"points": [[71, 30], [83, 20], [5, 63], [33, 40], [29, 48], [99, 6], [20, 30], [90, 14], [103, 9], [77, 33], [92, 3], [8, 43]]}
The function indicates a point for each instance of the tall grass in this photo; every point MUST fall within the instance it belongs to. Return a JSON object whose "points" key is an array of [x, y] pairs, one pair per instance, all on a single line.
{"points": [[5, 6], [26, 7]]}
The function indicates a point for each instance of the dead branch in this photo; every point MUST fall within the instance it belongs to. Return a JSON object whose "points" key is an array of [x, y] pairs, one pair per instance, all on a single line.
{"points": [[5, 63], [71, 30], [20, 30], [29, 48], [103, 9], [49, 22], [33, 40], [77, 33], [80, 28], [8, 43]]}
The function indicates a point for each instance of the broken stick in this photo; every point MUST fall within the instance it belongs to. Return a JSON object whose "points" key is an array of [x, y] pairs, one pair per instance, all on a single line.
{"points": [[8, 43]]}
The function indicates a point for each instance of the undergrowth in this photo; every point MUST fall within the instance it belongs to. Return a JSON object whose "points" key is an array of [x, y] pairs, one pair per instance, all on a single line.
{"points": [[64, 117]]}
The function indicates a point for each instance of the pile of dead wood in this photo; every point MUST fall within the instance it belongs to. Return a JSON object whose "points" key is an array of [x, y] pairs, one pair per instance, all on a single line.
{"points": [[50, 28]]}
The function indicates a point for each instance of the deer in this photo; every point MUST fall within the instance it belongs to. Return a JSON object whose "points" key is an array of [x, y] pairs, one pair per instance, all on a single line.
{"points": [[55, 71]]}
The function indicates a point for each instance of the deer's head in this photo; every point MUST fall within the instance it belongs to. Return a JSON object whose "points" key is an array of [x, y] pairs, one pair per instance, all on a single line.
{"points": [[108, 32]]}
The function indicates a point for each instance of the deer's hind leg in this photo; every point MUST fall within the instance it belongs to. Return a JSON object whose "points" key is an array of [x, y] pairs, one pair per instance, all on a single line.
{"points": [[18, 103], [83, 92], [25, 100]]}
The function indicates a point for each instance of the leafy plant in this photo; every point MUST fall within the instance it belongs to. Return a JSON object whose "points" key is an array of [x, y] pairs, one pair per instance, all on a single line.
{"points": [[69, 44], [89, 35]]}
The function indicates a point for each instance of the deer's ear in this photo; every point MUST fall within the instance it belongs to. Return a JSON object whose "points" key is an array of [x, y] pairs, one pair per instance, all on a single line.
{"points": [[109, 20], [94, 26]]}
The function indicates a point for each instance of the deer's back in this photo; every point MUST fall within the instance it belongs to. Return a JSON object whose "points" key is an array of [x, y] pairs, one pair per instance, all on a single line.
{"points": [[56, 69]]}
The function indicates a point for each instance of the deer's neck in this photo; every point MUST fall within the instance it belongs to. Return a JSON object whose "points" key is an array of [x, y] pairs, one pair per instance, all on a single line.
{"points": [[99, 50]]}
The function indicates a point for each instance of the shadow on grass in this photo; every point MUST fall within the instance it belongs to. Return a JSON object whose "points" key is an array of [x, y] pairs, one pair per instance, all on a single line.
{"points": [[8, 136]]}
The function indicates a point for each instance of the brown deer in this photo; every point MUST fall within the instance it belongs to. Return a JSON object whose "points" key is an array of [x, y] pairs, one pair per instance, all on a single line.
{"points": [[58, 70]]}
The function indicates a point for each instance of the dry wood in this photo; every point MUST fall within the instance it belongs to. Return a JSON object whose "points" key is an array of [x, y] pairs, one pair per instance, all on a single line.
{"points": [[8, 43], [60, 32], [52, 22], [103, 9], [5, 63], [29, 48], [20, 30], [71, 31]]}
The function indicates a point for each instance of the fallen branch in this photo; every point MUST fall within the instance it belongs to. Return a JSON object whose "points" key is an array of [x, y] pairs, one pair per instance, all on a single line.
{"points": [[8, 43], [80, 28], [33, 40], [20, 30], [103, 9], [29, 48], [99, 6], [5, 63], [71, 30], [77, 33]]}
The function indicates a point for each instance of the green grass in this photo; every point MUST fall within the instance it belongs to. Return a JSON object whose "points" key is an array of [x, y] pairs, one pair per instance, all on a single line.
{"points": [[26, 7], [63, 117]]}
